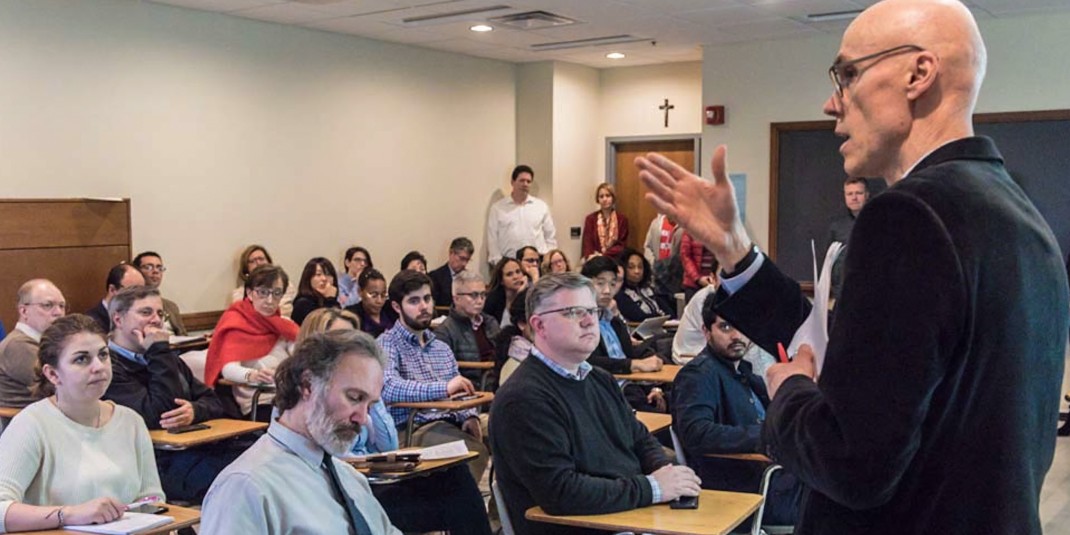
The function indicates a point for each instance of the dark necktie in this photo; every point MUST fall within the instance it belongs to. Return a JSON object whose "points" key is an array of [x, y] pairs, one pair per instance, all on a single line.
{"points": [[355, 518]]}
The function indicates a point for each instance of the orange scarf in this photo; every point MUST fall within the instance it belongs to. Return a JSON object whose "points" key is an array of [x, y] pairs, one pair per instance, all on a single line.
{"points": [[607, 231], [244, 334]]}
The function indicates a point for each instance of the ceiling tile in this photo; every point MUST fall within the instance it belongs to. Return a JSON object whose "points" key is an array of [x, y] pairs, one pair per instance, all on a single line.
{"points": [[218, 5], [288, 13]]}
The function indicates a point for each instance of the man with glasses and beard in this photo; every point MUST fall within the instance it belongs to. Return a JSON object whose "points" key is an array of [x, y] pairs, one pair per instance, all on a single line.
{"points": [[289, 481], [420, 367], [719, 407]]}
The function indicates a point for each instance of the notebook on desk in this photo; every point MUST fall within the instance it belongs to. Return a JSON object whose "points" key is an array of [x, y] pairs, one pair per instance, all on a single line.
{"points": [[129, 523]]}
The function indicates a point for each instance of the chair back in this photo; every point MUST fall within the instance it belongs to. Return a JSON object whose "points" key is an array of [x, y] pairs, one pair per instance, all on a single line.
{"points": [[503, 513]]}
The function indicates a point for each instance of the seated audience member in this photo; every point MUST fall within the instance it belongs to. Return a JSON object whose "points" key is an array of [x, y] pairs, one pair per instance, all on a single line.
{"points": [[71, 459], [414, 261], [700, 268], [468, 331], [151, 379], [356, 260], [318, 288], [615, 352], [529, 258], [151, 266], [421, 367], [718, 407], [375, 316], [40, 304], [418, 504], [568, 441], [636, 300], [513, 343], [461, 250], [119, 277], [690, 338], [555, 261], [605, 231], [252, 257], [290, 481], [251, 340], [507, 280]]}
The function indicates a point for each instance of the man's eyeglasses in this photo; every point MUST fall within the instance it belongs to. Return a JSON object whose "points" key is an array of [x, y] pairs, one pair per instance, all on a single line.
{"points": [[148, 313], [530, 260], [47, 306], [842, 73], [572, 313], [475, 295], [266, 293], [154, 267]]}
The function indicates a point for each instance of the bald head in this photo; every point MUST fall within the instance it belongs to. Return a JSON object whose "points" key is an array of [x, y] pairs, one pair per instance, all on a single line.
{"points": [[40, 303], [911, 71]]}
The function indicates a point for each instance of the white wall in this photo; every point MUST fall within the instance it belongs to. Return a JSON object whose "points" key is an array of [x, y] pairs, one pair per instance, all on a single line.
{"points": [[576, 142], [225, 132], [781, 81]]}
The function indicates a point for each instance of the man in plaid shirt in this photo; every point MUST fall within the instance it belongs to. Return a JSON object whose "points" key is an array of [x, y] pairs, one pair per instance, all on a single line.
{"points": [[421, 368]]}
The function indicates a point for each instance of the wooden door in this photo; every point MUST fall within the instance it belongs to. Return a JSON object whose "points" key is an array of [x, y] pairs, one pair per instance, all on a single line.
{"points": [[631, 191]]}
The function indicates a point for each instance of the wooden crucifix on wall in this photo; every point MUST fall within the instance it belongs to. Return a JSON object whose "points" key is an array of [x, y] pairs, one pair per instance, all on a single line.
{"points": [[666, 107]]}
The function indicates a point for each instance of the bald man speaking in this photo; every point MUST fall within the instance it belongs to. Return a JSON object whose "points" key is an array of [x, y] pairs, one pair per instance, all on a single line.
{"points": [[937, 406]]}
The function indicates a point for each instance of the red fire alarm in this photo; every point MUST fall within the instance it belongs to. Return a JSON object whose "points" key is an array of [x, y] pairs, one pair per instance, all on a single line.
{"points": [[714, 114]]}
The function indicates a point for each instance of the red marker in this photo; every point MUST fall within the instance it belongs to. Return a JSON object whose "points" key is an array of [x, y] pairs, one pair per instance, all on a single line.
{"points": [[782, 353]]}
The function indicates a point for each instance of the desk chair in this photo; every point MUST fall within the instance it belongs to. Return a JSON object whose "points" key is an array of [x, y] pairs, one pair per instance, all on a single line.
{"points": [[503, 512], [763, 488]]}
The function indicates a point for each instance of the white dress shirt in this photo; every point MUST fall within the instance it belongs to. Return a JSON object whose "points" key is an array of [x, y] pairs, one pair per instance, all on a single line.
{"points": [[511, 226], [279, 486]]}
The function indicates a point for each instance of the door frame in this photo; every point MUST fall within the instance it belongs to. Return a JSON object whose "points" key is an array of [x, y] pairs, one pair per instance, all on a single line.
{"points": [[613, 142]]}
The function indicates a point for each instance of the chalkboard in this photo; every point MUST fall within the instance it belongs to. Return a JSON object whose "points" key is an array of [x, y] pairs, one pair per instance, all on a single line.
{"points": [[806, 178]]}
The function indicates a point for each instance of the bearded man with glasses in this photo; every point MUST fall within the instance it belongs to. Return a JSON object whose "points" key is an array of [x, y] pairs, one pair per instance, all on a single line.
{"points": [[565, 439], [938, 400], [39, 303]]}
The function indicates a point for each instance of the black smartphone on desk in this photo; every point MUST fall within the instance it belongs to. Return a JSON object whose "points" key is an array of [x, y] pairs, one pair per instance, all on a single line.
{"points": [[148, 508], [187, 428], [684, 502]]}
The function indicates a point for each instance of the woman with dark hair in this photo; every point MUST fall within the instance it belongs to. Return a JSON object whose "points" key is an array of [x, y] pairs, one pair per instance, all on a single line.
{"points": [[251, 258], [636, 300], [71, 459], [513, 343], [251, 340], [506, 283], [356, 260], [318, 288], [414, 261], [375, 316], [605, 231]]}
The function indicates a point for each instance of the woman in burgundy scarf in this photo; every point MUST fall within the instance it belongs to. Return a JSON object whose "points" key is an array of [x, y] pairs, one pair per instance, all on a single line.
{"points": [[251, 339], [605, 230]]}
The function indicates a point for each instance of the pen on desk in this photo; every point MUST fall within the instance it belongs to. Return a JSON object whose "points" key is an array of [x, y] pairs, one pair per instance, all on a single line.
{"points": [[782, 354], [146, 499]]}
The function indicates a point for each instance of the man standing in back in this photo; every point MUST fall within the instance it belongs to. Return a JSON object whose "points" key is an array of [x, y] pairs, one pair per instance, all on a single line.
{"points": [[519, 220]]}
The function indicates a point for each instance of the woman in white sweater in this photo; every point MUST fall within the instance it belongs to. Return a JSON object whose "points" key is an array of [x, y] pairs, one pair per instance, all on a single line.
{"points": [[71, 459]]}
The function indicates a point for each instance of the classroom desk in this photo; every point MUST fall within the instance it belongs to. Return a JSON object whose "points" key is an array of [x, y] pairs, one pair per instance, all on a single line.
{"points": [[184, 518], [258, 388], [425, 468], [444, 405], [654, 421], [666, 374], [9, 412], [182, 344], [220, 429], [717, 514], [487, 368]]}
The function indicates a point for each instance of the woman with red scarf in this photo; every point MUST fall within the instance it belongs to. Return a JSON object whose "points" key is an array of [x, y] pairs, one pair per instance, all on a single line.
{"points": [[251, 339], [605, 230]]}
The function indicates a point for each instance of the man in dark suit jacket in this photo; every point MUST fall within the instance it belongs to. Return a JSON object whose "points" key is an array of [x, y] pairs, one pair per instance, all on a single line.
{"points": [[938, 400], [461, 250], [119, 276]]}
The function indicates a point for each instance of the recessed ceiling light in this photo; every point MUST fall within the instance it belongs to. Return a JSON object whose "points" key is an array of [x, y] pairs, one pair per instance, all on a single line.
{"points": [[481, 28], [615, 55]]}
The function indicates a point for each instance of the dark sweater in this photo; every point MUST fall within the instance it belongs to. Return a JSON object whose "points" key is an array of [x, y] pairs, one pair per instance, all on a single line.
{"points": [[571, 447], [305, 305]]}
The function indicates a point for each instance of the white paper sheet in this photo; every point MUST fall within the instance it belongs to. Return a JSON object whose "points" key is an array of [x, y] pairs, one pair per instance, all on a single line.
{"points": [[814, 331], [129, 523]]}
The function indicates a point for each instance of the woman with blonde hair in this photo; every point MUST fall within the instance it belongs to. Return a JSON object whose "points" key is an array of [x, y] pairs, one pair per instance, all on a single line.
{"points": [[605, 230], [71, 459], [555, 261]]}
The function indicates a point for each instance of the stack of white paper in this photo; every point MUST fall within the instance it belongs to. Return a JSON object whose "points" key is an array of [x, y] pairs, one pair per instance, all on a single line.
{"points": [[129, 523], [814, 331]]}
